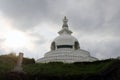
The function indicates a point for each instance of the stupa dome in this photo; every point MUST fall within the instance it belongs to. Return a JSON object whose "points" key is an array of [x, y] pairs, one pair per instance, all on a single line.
{"points": [[65, 40]]}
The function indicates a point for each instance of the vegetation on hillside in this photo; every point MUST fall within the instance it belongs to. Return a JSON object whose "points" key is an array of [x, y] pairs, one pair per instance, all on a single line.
{"points": [[7, 62], [53, 68], [58, 70]]}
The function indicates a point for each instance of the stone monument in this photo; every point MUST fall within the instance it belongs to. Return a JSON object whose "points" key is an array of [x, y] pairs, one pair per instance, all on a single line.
{"points": [[18, 67]]}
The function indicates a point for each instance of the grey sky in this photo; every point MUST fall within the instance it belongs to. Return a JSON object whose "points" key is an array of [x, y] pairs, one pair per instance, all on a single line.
{"points": [[95, 23]]}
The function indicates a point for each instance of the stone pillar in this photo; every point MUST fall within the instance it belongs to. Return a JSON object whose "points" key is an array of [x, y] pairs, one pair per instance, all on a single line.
{"points": [[18, 67]]}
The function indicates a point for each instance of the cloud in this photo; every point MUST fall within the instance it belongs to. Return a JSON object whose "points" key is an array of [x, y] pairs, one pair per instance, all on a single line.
{"points": [[28, 14], [101, 46]]}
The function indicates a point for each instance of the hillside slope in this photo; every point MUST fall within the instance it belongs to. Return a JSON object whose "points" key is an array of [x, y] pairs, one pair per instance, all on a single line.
{"points": [[99, 70]]}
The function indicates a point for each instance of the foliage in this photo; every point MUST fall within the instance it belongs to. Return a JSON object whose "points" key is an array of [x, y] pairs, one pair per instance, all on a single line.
{"points": [[54, 68], [7, 62], [59, 68]]}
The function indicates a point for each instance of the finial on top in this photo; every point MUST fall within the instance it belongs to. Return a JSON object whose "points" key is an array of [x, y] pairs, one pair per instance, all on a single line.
{"points": [[65, 20]]}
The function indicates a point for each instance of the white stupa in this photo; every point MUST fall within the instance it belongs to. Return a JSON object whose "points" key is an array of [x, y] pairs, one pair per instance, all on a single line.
{"points": [[65, 48]]}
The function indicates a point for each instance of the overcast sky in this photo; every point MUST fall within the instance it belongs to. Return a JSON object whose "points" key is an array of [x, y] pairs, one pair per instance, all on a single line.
{"points": [[95, 23]]}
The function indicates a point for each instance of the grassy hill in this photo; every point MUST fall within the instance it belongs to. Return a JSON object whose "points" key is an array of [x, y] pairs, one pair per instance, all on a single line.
{"points": [[7, 62], [59, 70]]}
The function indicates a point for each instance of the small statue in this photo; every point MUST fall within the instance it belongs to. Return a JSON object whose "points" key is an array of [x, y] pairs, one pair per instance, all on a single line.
{"points": [[18, 67]]}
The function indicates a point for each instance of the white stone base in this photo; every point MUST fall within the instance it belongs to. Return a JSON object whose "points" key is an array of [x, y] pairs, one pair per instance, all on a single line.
{"points": [[67, 56]]}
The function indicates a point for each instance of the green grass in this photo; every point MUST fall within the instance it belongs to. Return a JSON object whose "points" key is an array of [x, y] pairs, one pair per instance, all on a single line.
{"points": [[7, 63], [67, 69]]}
